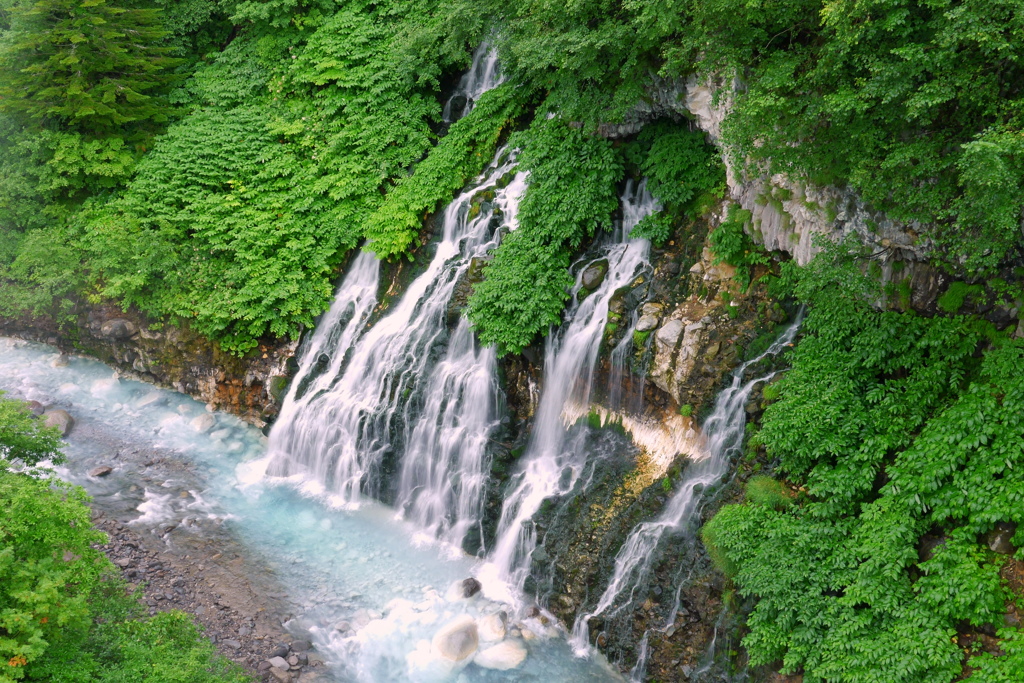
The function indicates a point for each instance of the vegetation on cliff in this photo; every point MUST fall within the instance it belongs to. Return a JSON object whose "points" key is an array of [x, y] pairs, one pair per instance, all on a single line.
{"points": [[903, 435], [215, 162]]}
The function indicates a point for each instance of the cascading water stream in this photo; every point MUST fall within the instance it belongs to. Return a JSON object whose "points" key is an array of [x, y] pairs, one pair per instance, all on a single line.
{"points": [[321, 357], [444, 469], [554, 458], [723, 436], [361, 413], [482, 76]]}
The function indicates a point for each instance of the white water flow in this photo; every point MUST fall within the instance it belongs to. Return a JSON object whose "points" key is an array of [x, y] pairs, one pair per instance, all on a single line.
{"points": [[445, 468], [554, 458], [321, 357], [723, 436], [482, 76], [342, 433]]}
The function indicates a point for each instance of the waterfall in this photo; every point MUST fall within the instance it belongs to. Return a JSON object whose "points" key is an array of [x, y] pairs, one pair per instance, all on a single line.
{"points": [[723, 436], [483, 75], [352, 420], [445, 465], [554, 458], [320, 358]]}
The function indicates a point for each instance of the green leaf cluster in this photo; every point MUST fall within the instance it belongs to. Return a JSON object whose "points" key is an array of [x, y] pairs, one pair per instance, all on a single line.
{"points": [[571, 195], [731, 243], [909, 447], [916, 105]]}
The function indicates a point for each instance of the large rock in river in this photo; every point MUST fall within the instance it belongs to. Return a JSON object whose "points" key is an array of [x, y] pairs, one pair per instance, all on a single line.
{"points": [[594, 274], [457, 640], [118, 328], [506, 655], [60, 419]]}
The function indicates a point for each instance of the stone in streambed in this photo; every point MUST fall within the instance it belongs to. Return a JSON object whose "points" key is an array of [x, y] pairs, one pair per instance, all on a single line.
{"points": [[646, 323], [501, 657], [493, 627], [36, 407], [151, 399], [670, 332], [60, 419], [280, 675], [594, 274], [999, 539], [118, 328], [203, 423], [464, 589], [100, 471], [279, 662], [470, 587], [457, 640]]}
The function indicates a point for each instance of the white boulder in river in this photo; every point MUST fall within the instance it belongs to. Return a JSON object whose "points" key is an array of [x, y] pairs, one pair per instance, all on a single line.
{"points": [[457, 640], [493, 626], [203, 423], [506, 655]]}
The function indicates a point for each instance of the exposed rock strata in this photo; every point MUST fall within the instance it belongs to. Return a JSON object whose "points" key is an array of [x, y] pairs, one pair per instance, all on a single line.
{"points": [[171, 357]]}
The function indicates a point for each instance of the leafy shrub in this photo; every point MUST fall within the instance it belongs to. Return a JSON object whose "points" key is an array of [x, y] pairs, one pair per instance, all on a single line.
{"points": [[731, 244], [571, 195], [65, 615], [686, 410], [458, 157], [771, 392], [680, 166], [953, 299], [763, 490], [656, 227], [23, 438], [842, 593]]}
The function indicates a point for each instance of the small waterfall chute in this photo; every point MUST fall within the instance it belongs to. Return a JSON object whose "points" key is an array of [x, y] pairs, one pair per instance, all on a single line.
{"points": [[483, 75], [555, 458], [723, 436]]}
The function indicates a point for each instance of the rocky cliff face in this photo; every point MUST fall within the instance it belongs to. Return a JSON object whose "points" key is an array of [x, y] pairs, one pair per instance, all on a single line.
{"points": [[171, 357]]}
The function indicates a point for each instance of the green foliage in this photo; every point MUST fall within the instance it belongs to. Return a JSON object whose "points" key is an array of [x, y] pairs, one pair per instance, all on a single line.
{"points": [[459, 156], [1007, 667], [731, 244], [228, 235], [956, 295], [680, 165], [763, 490], [640, 339], [682, 172], [914, 104], [593, 58], [686, 410], [656, 227], [571, 195], [896, 430], [47, 566], [25, 439], [86, 64]]}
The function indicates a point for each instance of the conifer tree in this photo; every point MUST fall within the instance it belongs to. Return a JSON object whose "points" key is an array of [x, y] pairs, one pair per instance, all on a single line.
{"points": [[84, 65]]}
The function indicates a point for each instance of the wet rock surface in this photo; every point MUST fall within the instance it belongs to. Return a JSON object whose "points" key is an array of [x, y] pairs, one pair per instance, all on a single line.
{"points": [[169, 356]]}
